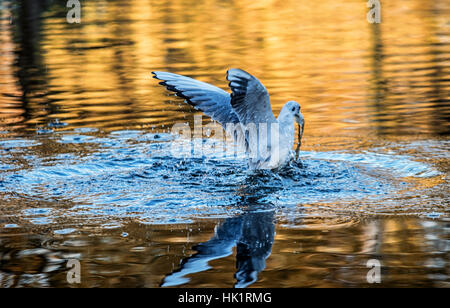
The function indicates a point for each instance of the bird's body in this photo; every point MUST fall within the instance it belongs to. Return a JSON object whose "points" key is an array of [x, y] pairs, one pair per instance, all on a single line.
{"points": [[246, 113]]}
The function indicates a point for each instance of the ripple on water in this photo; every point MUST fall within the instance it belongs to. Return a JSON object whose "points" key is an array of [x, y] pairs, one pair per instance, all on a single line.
{"points": [[136, 176], [17, 144]]}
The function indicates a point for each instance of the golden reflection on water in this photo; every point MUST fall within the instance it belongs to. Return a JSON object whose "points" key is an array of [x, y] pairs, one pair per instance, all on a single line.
{"points": [[308, 258], [351, 77]]}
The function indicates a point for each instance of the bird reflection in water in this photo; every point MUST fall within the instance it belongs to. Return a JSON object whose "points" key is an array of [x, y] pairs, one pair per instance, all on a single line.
{"points": [[252, 233]]}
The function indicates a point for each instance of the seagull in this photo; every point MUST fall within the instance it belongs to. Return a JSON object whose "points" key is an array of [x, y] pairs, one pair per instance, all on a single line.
{"points": [[246, 114]]}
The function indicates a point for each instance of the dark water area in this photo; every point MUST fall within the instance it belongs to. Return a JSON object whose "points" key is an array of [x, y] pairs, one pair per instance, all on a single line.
{"points": [[90, 170]]}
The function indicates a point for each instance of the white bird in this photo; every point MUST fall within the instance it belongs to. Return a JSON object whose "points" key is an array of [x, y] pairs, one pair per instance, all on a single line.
{"points": [[247, 111]]}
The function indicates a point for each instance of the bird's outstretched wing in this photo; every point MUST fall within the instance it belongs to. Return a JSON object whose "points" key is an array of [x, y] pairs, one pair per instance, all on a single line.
{"points": [[213, 101], [249, 99]]}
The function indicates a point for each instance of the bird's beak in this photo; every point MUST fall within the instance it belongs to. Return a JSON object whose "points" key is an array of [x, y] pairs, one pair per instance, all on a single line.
{"points": [[299, 119]]}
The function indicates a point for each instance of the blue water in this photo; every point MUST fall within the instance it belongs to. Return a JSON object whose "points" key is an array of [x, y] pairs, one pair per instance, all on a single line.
{"points": [[88, 171], [122, 198], [134, 174]]}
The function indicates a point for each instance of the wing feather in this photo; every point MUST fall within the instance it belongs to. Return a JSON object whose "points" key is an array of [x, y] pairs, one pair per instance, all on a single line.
{"points": [[213, 101], [249, 99]]}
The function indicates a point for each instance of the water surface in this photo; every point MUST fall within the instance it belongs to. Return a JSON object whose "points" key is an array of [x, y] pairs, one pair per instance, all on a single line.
{"points": [[87, 169]]}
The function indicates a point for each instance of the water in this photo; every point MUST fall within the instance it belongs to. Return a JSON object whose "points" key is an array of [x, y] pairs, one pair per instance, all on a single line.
{"points": [[87, 164]]}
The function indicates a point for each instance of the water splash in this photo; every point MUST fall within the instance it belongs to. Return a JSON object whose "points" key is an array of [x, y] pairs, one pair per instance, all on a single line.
{"points": [[132, 174]]}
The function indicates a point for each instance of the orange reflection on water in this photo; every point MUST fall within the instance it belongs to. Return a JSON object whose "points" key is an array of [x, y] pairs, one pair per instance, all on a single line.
{"points": [[351, 77]]}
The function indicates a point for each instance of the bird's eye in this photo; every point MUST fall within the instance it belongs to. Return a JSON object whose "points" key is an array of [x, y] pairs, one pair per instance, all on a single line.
{"points": [[293, 108]]}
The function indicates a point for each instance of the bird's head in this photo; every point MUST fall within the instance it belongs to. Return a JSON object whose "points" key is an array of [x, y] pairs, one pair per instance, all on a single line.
{"points": [[292, 110]]}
